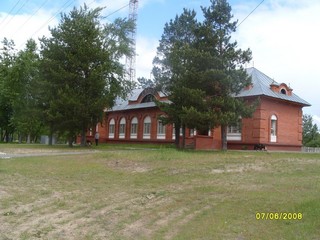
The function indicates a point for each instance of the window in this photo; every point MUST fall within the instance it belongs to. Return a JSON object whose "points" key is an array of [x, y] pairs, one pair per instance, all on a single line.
{"points": [[122, 128], [134, 128], [161, 130], [147, 128], [192, 132], [273, 128], [174, 131], [148, 98], [111, 128], [283, 91], [234, 131]]}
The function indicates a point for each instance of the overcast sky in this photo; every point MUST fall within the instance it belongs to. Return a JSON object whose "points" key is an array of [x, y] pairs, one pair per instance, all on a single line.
{"points": [[283, 35]]}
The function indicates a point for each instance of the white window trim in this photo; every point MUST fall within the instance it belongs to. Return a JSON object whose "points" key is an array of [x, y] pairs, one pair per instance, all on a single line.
{"points": [[174, 132], [273, 132], [111, 123], [147, 135], [233, 135], [161, 134], [122, 126], [134, 122]]}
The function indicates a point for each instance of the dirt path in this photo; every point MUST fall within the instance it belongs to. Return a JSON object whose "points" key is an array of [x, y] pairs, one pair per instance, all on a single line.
{"points": [[21, 152]]}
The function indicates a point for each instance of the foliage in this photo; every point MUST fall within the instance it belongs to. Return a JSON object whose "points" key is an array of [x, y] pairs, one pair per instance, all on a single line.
{"points": [[171, 67], [7, 58], [27, 117], [310, 134], [82, 71], [200, 56], [145, 83], [63, 88]]}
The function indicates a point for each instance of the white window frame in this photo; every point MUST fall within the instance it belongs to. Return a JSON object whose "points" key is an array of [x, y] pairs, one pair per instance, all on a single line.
{"points": [[174, 131], [161, 130], [147, 128], [234, 132], [273, 128], [134, 128], [111, 128], [122, 128], [193, 132]]}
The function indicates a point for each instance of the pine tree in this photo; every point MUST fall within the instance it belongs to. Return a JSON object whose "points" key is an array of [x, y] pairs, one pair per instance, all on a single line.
{"points": [[310, 132], [26, 116], [201, 59], [80, 63], [7, 59], [172, 69], [226, 78]]}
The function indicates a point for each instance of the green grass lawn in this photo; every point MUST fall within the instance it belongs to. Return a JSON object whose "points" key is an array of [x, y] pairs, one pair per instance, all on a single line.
{"points": [[159, 193]]}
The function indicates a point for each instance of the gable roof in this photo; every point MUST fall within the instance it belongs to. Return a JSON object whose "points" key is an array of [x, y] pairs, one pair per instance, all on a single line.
{"points": [[123, 104], [261, 87]]}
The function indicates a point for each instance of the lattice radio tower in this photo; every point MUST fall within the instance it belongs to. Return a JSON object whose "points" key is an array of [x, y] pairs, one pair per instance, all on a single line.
{"points": [[131, 60]]}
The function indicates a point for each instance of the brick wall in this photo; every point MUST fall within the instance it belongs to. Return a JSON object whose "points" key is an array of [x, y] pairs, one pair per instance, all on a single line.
{"points": [[258, 129], [140, 114]]}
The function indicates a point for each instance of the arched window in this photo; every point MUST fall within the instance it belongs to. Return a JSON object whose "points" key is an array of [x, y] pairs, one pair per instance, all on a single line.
{"points": [[273, 128], [122, 128], [161, 130], [283, 91], [148, 98], [147, 128], [111, 128], [134, 128]]}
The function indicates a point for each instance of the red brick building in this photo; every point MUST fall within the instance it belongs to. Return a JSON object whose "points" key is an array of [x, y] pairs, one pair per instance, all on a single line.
{"points": [[276, 123]]}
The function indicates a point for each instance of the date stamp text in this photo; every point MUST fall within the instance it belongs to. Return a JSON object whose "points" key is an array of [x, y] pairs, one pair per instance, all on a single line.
{"points": [[278, 216]]}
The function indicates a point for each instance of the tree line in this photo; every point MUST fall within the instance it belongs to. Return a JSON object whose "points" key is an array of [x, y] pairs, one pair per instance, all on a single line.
{"points": [[310, 134], [63, 86]]}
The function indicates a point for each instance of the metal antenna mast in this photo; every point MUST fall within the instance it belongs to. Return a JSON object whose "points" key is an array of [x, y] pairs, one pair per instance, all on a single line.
{"points": [[131, 60]]}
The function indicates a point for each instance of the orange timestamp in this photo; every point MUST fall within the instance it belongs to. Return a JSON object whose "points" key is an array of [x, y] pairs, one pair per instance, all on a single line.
{"points": [[279, 216]]}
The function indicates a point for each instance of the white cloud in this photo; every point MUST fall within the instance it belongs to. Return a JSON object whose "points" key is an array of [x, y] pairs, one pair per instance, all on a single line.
{"points": [[146, 50], [316, 120], [14, 27], [111, 7], [284, 39]]}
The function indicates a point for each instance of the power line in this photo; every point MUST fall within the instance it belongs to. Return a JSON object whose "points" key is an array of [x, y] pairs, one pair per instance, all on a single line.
{"points": [[12, 17], [117, 10], [67, 4], [64, 6], [10, 12], [31, 17], [250, 13]]}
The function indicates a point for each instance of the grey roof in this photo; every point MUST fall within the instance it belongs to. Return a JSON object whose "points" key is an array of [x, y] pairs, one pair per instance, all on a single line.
{"points": [[123, 104], [123, 107], [261, 87]]}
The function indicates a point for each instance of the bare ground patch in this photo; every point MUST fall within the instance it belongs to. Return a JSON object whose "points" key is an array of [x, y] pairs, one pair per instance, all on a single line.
{"points": [[120, 196], [240, 168], [128, 166]]}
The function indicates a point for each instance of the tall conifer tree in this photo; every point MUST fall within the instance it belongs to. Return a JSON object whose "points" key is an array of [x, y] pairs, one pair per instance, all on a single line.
{"points": [[201, 59], [82, 70]]}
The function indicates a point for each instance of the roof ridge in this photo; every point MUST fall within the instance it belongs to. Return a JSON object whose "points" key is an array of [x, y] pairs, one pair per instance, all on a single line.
{"points": [[261, 86]]}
